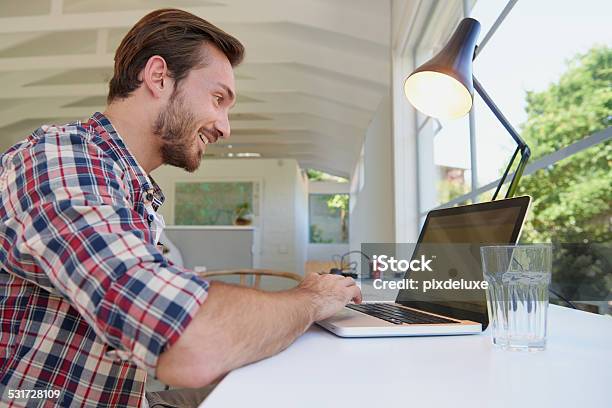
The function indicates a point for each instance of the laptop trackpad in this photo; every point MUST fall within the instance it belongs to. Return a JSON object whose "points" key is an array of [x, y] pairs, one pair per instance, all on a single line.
{"points": [[352, 318]]}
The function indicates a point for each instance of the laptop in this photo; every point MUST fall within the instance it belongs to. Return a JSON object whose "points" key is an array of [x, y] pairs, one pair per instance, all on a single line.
{"points": [[464, 229]]}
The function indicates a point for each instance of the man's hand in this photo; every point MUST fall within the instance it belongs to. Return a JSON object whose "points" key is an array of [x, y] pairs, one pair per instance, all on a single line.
{"points": [[330, 293], [237, 325]]}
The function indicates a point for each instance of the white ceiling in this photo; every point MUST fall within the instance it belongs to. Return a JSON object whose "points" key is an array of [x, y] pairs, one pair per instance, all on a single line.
{"points": [[314, 74]]}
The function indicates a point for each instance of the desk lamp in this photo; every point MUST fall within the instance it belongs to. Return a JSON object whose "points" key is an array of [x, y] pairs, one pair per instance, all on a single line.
{"points": [[443, 87]]}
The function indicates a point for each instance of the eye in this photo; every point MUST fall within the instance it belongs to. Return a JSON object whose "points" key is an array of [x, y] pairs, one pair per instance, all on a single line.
{"points": [[219, 99]]}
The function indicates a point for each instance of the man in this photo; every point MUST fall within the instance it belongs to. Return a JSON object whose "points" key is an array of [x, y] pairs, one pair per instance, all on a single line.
{"points": [[88, 304]]}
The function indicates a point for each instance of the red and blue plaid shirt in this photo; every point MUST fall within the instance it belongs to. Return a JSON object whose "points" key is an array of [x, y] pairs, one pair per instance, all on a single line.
{"points": [[87, 301]]}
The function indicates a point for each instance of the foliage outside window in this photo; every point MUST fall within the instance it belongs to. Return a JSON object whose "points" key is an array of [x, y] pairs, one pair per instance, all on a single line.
{"points": [[213, 203], [328, 218], [572, 199], [317, 175]]}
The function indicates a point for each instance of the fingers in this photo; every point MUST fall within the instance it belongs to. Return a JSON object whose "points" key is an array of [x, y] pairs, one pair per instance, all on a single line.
{"points": [[350, 288], [312, 275], [339, 277], [355, 293]]}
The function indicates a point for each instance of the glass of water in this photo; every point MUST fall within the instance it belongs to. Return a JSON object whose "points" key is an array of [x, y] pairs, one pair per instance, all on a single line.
{"points": [[518, 277]]}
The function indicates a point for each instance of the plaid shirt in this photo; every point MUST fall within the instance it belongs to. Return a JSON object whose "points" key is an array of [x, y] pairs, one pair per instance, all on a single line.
{"points": [[87, 301]]}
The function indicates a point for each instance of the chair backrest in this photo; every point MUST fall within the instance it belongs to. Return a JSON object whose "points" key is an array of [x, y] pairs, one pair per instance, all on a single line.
{"points": [[258, 273]]}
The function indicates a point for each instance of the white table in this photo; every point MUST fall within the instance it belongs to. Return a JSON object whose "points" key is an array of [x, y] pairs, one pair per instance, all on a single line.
{"points": [[322, 370]]}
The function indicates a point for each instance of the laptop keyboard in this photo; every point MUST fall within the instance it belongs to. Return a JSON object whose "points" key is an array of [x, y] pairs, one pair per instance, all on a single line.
{"points": [[398, 315]]}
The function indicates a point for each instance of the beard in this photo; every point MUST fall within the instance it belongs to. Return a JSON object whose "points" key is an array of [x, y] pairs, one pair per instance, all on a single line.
{"points": [[176, 126]]}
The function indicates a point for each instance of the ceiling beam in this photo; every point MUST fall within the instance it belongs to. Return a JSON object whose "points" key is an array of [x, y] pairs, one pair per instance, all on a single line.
{"points": [[352, 99], [68, 61], [323, 15], [286, 122], [360, 67], [48, 91]]}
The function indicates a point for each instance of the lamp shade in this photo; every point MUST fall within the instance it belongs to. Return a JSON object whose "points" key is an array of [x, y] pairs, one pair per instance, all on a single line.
{"points": [[442, 87]]}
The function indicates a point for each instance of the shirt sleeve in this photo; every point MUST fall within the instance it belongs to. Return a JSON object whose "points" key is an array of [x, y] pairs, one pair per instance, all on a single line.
{"points": [[75, 234]]}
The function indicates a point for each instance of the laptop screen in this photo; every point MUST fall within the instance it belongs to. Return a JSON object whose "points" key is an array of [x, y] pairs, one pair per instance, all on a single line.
{"points": [[457, 235]]}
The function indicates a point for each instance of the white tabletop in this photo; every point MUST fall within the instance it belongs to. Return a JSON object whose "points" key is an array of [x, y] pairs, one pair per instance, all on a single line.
{"points": [[322, 370]]}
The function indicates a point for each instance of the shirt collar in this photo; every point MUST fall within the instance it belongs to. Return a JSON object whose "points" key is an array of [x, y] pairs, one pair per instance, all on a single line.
{"points": [[118, 150]]}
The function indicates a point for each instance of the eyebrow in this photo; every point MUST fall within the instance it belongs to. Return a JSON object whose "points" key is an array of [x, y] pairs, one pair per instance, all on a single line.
{"points": [[231, 94]]}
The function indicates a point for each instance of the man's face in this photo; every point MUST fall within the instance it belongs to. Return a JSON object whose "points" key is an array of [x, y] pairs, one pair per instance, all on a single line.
{"points": [[197, 112]]}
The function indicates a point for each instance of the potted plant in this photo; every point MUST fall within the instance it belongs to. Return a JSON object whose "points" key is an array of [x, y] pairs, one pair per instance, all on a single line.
{"points": [[243, 214]]}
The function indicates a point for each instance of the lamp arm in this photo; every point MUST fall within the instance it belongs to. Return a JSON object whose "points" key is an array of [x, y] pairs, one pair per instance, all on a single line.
{"points": [[525, 153], [498, 114], [522, 146], [503, 177]]}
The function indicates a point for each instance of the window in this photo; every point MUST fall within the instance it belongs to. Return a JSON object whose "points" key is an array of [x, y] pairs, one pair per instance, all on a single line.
{"points": [[215, 203], [554, 92], [329, 218], [525, 53], [444, 161], [535, 40], [546, 65], [452, 159]]}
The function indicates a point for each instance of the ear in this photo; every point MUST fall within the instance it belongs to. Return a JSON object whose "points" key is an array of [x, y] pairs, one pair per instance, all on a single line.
{"points": [[155, 77]]}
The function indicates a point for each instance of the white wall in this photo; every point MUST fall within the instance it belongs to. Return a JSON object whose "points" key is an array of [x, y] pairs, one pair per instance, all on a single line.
{"points": [[325, 252], [281, 227], [372, 214], [328, 187], [301, 218], [408, 25]]}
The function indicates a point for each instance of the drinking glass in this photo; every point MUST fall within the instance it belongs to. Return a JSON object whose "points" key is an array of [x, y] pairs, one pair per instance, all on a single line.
{"points": [[518, 277]]}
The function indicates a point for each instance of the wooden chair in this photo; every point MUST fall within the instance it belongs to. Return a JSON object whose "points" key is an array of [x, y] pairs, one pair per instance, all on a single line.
{"points": [[258, 273]]}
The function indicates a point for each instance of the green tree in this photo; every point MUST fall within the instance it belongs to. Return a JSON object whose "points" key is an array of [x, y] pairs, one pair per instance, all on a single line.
{"points": [[316, 235], [572, 199], [340, 202]]}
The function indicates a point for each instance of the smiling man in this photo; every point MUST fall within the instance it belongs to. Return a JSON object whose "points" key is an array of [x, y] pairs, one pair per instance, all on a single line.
{"points": [[88, 303]]}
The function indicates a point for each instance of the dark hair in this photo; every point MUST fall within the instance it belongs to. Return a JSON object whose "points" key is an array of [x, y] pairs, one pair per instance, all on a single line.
{"points": [[175, 35]]}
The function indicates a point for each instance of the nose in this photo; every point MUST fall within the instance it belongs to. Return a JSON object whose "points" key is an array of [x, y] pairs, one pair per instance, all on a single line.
{"points": [[223, 127]]}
